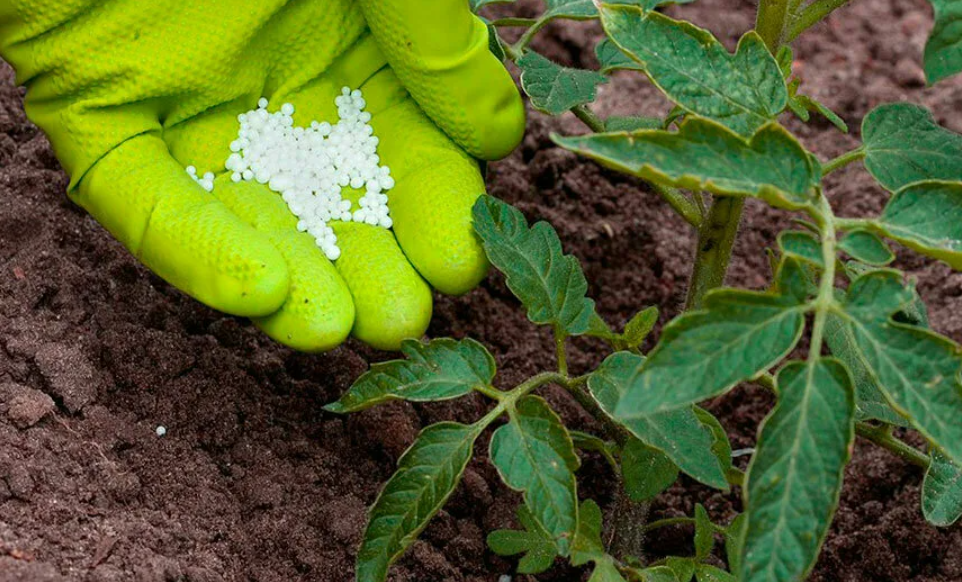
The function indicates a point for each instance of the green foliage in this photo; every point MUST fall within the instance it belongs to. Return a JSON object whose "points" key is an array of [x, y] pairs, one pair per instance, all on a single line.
{"points": [[927, 217], [678, 433], [550, 284], [707, 352], [477, 5], [904, 144], [646, 471], [743, 91], [426, 475], [943, 51], [554, 89], [704, 155], [439, 370], [942, 491], [864, 246], [534, 454], [613, 58], [708, 573], [915, 369], [704, 533], [534, 542], [802, 245], [632, 123], [870, 403], [588, 546], [720, 138], [795, 476], [735, 542]]}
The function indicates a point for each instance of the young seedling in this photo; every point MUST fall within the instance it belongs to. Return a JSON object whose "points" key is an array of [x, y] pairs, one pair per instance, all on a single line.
{"points": [[872, 363]]}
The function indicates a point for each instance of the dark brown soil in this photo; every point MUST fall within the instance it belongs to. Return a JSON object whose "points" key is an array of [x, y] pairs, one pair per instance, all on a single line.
{"points": [[253, 481]]}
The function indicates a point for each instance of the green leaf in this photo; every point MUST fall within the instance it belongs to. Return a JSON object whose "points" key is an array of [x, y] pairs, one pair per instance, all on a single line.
{"points": [[570, 9], [646, 471], [864, 246], [550, 284], [743, 91], [803, 245], [588, 547], [477, 5], [917, 370], [942, 491], [613, 58], [927, 217], [943, 51], [638, 328], [795, 476], [870, 403], [427, 474], [678, 433], [704, 353], [705, 156], [439, 370], [683, 568], [534, 454], [707, 573], [721, 447], [785, 57], [534, 542], [632, 123], [904, 144], [554, 89], [658, 574], [735, 542], [704, 533], [494, 42]]}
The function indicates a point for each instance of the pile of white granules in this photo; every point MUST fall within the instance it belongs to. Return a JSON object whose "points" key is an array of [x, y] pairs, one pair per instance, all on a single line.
{"points": [[309, 166]]}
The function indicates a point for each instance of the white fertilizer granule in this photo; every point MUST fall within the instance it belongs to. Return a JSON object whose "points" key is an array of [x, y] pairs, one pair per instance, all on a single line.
{"points": [[310, 165]]}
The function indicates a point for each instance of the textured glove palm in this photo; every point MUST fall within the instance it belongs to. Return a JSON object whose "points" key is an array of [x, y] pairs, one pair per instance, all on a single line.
{"points": [[131, 92]]}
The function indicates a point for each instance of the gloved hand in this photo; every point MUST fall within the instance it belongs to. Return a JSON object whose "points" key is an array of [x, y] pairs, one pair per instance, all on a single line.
{"points": [[132, 91]]}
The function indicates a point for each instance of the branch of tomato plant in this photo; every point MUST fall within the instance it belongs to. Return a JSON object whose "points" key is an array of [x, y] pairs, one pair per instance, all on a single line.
{"points": [[843, 160], [879, 435], [684, 206]]}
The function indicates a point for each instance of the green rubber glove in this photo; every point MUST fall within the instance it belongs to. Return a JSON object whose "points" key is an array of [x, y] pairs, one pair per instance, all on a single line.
{"points": [[132, 91]]}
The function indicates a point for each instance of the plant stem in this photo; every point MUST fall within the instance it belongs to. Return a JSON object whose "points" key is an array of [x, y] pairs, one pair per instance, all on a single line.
{"points": [[716, 237], [628, 527], [559, 343], [812, 15], [825, 300], [881, 436], [842, 161], [588, 117], [772, 22], [528, 35]]}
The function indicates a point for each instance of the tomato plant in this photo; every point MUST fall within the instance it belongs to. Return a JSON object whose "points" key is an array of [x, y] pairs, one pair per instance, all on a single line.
{"points": [[872, 362]]}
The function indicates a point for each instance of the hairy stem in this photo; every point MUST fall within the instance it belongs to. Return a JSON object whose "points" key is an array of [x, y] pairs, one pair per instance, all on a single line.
{"points": [[668, 522], [883, 437], [812, 15], [772, 22], [559, 344], [628, 527], [842, 161], [716, 237], [825, 300]]}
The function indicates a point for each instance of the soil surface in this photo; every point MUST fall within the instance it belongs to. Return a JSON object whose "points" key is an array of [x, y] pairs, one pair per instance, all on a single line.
{"points": [[253, 481]]}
